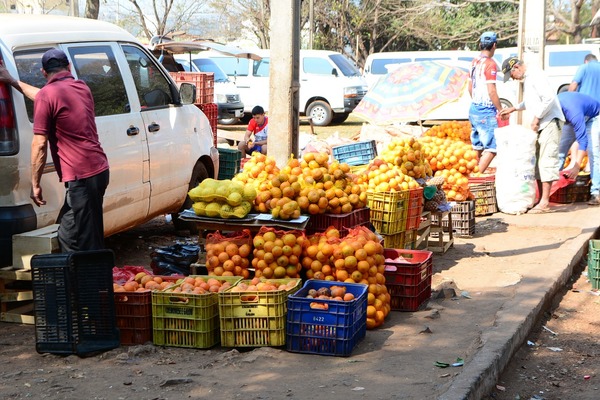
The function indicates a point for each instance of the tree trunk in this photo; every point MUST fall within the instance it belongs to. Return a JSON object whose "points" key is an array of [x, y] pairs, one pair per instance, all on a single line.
{"points": [[92, 9]]}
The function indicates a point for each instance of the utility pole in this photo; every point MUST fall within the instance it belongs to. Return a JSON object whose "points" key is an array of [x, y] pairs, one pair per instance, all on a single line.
{"points": [[531, 41], [284, 81]]}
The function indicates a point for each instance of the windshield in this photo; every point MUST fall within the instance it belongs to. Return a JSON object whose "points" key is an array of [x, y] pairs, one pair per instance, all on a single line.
{"points": [[347, 68], [207, 65]]}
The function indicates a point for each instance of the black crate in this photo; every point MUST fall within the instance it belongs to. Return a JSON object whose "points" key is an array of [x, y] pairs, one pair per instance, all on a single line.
{"points": [[73, 301]]}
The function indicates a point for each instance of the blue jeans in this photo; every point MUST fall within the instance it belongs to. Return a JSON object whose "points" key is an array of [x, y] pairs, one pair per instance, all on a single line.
{"points": [[593, 135], [592, 129], [483, 124]]}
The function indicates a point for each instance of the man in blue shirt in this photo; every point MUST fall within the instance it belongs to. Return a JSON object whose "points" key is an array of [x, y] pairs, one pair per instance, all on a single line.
{"points": [[582, 125], [587, 78]]}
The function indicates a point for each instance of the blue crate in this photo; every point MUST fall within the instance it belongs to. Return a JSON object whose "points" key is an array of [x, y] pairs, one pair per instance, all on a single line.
{"points": [[358, 153], [334, 331]]}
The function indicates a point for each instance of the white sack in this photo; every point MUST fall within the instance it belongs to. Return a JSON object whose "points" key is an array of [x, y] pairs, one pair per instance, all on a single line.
{"points": [[515, 168]]}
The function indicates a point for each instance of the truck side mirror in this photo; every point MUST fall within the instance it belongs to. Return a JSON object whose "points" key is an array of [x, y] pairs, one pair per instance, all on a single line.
{"points": [[187, 91], [334, 72]]}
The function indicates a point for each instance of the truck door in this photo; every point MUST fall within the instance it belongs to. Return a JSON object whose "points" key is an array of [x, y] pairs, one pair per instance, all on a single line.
{"points": [[121, 131]]}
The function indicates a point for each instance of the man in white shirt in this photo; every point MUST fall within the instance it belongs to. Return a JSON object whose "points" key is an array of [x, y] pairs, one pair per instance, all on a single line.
{"points": [[542, 102]]}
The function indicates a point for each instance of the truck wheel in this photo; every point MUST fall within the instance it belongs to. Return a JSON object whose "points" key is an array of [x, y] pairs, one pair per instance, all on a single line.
{"points": [[198, 175], [339, 118], [320, 112]]}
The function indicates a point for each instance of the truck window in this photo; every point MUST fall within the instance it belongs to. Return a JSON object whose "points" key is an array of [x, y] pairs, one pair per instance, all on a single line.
{"points": [[261, 68], [380, 67], [232, 66], [151, 85], [29, 64], [567, 58], [97, 67], [344, 65], [317, 66]]}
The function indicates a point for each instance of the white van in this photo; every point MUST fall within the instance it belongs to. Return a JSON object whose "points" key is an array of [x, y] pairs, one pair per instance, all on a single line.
{"points": [[157, 146], [330, 85], [380, 64]]}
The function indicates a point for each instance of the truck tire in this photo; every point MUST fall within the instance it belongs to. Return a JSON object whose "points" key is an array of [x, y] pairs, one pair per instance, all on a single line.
{"points": [[339, 118], [320, 112], [198, 175]]}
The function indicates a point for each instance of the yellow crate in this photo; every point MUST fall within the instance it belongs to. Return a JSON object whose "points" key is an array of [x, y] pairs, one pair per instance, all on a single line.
{"points": [[254, 318], [187, 319], [388, 211]]}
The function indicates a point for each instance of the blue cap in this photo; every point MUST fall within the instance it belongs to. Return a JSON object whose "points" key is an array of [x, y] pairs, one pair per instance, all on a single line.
{"points": [[488, 38], [54, 58]]}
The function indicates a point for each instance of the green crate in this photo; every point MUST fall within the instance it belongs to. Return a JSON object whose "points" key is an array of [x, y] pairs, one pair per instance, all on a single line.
{"points": [[594, 263], [186, 319], [229, 163], [254, 318]]}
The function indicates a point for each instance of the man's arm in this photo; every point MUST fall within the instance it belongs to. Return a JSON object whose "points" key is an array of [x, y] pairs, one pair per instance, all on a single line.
{"points": [[573, 87], [26, 89], [494, 96], [39, 149]]}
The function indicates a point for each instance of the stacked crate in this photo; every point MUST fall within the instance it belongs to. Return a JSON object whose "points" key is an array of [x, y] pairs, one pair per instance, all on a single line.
{"points": [[462, 219], [229, 162], [319, 223], [408, 278], [483, 189], [396, 216]]}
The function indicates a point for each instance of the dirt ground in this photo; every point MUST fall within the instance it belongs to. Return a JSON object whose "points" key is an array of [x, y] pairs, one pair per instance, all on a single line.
{"points": [[393, 362]]}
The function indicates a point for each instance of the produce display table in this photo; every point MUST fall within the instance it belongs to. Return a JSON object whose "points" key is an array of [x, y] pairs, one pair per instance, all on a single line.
{"points": [[440, 244], [423, 231], [253, 222]]}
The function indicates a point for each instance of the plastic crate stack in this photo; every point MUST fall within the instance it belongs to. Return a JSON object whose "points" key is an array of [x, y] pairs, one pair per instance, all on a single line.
{"points": [[578, 191], [408, 277], [229, 162], [211, 110], [396, 216], [463, 219], [342, 222], [483, 189], [204, 81], [594, 263]]}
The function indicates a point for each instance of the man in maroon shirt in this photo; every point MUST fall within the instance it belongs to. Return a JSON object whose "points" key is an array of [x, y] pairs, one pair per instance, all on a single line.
{"points": [[63, 116]]}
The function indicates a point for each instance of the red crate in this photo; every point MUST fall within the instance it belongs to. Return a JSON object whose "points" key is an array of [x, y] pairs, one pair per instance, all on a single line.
{"points": [[409, 298], [411, 268], [134, 317], [476, 180], [204, 81], [408, 280], [415, 209], [211, 110], [342, 222]]}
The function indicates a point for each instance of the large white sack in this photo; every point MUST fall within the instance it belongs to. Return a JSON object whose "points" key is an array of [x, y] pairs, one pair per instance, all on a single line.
{"points": [[515, 168]]}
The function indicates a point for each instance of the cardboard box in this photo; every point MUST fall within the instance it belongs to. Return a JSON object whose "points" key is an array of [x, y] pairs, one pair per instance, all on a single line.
{"points": [[39, 241]]}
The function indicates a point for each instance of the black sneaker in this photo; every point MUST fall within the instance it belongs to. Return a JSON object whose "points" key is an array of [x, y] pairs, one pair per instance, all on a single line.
{"points": [[594, 201]]}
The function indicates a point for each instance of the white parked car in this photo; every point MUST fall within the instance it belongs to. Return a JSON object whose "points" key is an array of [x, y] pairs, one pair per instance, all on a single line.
{"points": [[158, 143]]}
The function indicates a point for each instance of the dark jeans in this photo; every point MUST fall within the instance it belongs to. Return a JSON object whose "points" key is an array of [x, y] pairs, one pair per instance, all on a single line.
{"points": [[81, 221]]}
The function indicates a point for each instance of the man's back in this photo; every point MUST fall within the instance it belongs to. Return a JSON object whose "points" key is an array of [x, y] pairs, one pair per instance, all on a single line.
{"points": [[588, 79]]}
